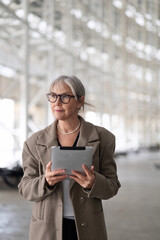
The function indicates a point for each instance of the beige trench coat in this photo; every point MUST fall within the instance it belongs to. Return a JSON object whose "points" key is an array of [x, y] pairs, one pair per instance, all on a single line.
{"points": [[47, 214]]}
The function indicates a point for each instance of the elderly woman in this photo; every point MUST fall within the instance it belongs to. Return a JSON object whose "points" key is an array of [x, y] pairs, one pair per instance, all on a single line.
{"points": [[68, 209]]}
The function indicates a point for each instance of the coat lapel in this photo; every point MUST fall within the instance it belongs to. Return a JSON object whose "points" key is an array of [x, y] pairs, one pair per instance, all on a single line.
{"points": [[46, 140]]}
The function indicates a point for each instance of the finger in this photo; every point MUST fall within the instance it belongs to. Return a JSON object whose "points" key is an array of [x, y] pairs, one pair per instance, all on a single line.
{"points": [[92, 169], [87, 171], [55, 179], [55, 173], [48, 167], [76, 179], [58, 178], [58, 171], [84, 184], [78, 175]]}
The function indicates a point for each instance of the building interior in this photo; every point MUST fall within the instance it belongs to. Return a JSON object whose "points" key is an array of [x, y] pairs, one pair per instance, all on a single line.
{"points": [[113, 47]]}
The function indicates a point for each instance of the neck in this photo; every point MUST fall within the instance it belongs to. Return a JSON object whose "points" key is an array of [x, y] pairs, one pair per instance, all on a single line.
{"points": [[68, 125]]}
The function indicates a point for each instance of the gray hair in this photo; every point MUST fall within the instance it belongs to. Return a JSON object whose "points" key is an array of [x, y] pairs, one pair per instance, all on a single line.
{"points": [[75, 85], [73, 82]]}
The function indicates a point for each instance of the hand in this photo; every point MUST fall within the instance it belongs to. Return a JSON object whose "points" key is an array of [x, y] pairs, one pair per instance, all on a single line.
{"points": [[51, 176], [85, 180]]}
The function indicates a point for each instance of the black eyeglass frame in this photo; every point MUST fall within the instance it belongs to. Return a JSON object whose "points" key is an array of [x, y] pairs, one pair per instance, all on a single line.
{"points": [[60, 96]]}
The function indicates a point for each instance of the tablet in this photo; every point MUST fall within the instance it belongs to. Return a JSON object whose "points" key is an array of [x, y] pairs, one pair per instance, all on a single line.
{"points": [[71, 158]]}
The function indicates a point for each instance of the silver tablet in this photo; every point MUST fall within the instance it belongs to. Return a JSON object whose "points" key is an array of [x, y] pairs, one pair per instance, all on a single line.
{"points": [[71, 158]]}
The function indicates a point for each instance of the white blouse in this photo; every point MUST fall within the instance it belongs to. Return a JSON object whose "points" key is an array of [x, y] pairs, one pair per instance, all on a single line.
{"points": [[68, 211]]}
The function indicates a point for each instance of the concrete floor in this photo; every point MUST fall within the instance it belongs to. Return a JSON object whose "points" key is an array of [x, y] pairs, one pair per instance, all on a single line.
{"points": [[134, 214]]}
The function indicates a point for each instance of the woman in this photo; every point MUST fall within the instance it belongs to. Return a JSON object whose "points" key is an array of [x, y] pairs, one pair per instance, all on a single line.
{"points": [[68, 209]]}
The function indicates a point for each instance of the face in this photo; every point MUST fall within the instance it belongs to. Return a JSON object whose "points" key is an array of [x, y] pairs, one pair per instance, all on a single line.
{"points": [[63, 111]]}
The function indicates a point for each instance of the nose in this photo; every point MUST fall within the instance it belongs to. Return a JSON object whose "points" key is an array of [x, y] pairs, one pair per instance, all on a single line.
{"points": [[58, 102]]}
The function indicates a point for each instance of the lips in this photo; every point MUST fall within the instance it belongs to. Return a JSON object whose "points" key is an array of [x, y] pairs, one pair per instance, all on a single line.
{"points": [[58, 110]]}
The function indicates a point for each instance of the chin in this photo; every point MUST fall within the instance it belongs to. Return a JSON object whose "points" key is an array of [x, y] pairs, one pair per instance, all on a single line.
{"points": [[63, 116], [59, 116]]}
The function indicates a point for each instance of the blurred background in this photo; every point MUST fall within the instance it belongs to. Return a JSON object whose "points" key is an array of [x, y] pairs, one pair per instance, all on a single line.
{"points": [[113, 46]]}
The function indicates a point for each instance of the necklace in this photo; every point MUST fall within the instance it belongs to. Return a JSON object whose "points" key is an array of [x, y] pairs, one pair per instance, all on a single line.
{"points": [[67, 133]]}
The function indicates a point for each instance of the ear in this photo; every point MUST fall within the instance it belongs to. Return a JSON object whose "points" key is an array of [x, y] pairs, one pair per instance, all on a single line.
{"points": [[80, 102]]}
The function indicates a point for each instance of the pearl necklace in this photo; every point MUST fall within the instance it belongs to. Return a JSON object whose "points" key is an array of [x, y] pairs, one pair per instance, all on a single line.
{"points": [[67, 133]]}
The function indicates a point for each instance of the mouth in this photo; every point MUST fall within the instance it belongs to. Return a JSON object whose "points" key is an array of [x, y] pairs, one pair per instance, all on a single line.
{"points": [[58, 110]]}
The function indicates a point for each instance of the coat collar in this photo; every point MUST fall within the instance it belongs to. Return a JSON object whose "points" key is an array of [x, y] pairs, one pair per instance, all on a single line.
{"points": [[88, 134]]}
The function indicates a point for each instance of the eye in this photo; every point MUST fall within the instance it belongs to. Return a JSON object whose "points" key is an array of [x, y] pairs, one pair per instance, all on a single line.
{"points": [[65, 96], [53, 95]]}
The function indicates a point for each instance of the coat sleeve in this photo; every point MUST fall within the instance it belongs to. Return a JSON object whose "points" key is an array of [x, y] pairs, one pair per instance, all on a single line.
{"points": [[33, 186], [106, 181]]}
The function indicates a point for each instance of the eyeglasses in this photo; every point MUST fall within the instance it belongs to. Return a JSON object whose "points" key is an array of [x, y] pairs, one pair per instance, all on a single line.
{"points": [[64, 98]]}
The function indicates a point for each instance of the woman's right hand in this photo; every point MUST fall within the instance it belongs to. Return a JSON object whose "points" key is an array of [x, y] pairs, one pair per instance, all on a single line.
{"points": [[52, 176]]}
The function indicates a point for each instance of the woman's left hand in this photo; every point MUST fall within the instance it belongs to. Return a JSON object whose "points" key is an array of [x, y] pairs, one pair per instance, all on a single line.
{"points": [[85, 180]]}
